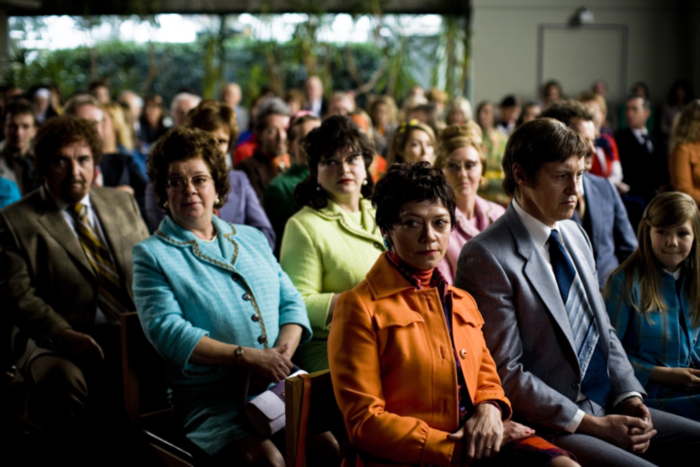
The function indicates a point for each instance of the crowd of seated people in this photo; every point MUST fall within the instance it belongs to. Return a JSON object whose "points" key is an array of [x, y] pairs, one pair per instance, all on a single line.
{"points": [[516, 285]]}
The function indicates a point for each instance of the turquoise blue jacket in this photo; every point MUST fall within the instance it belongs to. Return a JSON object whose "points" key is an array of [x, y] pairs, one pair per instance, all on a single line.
{"points": [[232, 290], [659, 340]]}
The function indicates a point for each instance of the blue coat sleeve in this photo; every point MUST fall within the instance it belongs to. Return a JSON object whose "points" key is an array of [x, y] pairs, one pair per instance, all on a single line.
{"points": [[160, 312], [255, 214]]}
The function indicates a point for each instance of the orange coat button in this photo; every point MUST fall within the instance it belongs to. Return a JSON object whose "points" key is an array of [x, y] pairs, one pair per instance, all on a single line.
{"points": [[463, 353]]}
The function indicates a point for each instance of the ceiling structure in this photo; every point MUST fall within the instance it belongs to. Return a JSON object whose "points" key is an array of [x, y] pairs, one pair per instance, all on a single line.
{"points": [[149, 7]]}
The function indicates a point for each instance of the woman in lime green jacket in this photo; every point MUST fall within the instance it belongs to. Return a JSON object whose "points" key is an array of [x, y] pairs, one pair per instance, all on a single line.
{"points": [[330, 245]]}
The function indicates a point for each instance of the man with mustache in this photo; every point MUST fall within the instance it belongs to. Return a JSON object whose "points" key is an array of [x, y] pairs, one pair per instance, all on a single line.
{"points": [[533, 276], [65, 277]]}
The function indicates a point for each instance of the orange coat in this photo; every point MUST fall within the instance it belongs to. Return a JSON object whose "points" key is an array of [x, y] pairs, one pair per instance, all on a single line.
{"points": [[393, 367]]}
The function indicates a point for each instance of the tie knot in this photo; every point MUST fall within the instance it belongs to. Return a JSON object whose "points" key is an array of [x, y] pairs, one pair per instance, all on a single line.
{"points": [[79, 209], [554, 236]]}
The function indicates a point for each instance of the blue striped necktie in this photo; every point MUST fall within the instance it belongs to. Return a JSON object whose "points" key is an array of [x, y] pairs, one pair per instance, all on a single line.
{"points": [[583, 326], [112, 298]]}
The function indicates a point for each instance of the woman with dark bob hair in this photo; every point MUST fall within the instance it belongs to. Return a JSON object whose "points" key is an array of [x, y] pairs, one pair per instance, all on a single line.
{"points": [[331, 243], [412, 376], [213, 301]]}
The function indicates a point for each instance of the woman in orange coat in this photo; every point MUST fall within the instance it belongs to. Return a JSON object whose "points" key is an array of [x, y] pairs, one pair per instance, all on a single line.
{"points": [[412, 375]]}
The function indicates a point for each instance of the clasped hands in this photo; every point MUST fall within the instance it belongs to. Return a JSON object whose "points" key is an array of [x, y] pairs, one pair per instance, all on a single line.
{"points": [[268, 365], [485, 433], [631, 430]]}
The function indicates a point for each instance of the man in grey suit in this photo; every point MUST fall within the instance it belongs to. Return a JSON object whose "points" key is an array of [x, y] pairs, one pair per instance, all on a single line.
{"points": [[533, 275]]}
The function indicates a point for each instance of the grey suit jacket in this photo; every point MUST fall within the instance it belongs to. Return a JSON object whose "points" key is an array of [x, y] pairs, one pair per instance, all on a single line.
{"points": [[46, 281], [526, 326]]}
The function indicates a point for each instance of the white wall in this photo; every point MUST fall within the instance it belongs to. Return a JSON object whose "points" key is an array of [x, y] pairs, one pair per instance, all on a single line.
{"points": [[663, 43]]}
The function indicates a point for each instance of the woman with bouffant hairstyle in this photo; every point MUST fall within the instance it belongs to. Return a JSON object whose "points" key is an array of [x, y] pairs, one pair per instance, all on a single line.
{"points": [[461, 158]]}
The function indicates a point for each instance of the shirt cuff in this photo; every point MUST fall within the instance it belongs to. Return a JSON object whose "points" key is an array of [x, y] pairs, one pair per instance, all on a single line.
{"points": [[573, 424], [626, 395]]}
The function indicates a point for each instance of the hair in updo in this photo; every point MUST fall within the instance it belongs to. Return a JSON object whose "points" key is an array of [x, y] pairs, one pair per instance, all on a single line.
{"points": [[413, 182], [459, 136]]}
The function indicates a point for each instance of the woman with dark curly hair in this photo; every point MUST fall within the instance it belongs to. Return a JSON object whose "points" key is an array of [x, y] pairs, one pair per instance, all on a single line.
{"points": [[411, 373], [213, 301], [331, 243]]}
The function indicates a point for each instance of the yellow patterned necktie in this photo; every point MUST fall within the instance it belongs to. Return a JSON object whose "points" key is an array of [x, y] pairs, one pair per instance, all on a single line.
{"points": [[111, 296]]}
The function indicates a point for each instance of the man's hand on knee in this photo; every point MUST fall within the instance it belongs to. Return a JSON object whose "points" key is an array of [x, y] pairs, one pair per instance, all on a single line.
{"points": [[634, 407], [80, 346]]}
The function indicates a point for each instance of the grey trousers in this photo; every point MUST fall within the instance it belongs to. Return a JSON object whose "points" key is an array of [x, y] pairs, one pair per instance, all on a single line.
{"points": [[677, 441]]}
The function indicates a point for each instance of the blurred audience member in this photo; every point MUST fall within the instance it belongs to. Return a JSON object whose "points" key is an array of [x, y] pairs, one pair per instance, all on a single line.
{"points": [[461, 158], [232, 96], [294, 100], [428, 114], [42, 105], [639, 88], [494, 143], [313, 92], [152, 120], [331, 243], [531, 111], [606, 162], [509, 113], [16, 154], [413, 141], [270, 157], [384, 114], [364, 123], [339, 103], [459, 111], [279, 195], [99, 89], [180, 105], [678, 96], [133, 104], [684, 162], [551, 92], [438, 98]]}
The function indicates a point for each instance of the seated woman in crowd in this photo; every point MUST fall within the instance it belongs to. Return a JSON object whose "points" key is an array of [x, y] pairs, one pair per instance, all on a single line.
{"points": [[364, 123], [213, 301], [494, 143], [152, 120], [684, 162], [459, 111], [652, 300], [411, 373], [461, 158], [331, 243], [243, 206], [413, 141], [279, 194], [384, 114]]}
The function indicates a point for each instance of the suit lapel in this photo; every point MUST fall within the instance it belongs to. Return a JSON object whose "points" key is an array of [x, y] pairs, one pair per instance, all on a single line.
{"points": [[56, 225], [538, 273], [111, 226]]}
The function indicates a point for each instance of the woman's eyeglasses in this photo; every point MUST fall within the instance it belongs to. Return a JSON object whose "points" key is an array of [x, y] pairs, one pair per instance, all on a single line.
{"points": [[198, 181]]}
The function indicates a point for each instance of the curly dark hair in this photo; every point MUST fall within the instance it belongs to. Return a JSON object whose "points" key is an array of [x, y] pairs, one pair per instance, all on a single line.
{"points": [[334, 134], [57, 133], [402, 184], [181, 143], [210, 115]]}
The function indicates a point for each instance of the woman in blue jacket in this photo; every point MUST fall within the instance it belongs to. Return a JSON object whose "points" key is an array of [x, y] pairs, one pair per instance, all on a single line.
{"points": [[213, 301]]}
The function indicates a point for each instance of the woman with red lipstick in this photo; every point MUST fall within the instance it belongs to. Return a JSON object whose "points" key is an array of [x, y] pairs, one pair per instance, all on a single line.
{"points": [[412, 376], [331, 243], [461, 158]]}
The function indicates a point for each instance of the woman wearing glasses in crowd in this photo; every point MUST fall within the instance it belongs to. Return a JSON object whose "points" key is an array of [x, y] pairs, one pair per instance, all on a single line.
{"points": [[461, 158], [331, 243], [213, 301]]}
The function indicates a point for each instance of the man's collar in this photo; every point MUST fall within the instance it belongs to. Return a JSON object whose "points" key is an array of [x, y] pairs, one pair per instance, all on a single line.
{"points": [[539, 232], [63, 205]]}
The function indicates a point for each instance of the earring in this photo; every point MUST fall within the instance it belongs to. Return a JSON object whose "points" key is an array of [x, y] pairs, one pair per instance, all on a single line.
{"points": [[165, 205], [318, 187], [217, 201], [386, 243], [364, 182]]}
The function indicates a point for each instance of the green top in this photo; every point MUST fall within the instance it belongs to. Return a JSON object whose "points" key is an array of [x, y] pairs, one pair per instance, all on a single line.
{"points": [[279, 199], [325, 252]]}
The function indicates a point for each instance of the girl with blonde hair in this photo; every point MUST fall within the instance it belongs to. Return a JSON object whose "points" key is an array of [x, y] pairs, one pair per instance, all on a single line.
{"points": [[652, 300], [413, 141], [461, 157]]}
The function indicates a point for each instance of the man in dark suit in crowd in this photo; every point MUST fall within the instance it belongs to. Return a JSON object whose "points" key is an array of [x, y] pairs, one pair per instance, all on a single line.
{"points": [[533, 276], [16, 156], [642, 156], [270, 157], [313, 93], [600, 210], [65, 276]]}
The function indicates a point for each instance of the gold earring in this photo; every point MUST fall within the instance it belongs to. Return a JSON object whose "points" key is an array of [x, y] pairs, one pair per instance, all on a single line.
{"points": [[165, 205], [364, 182]]}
